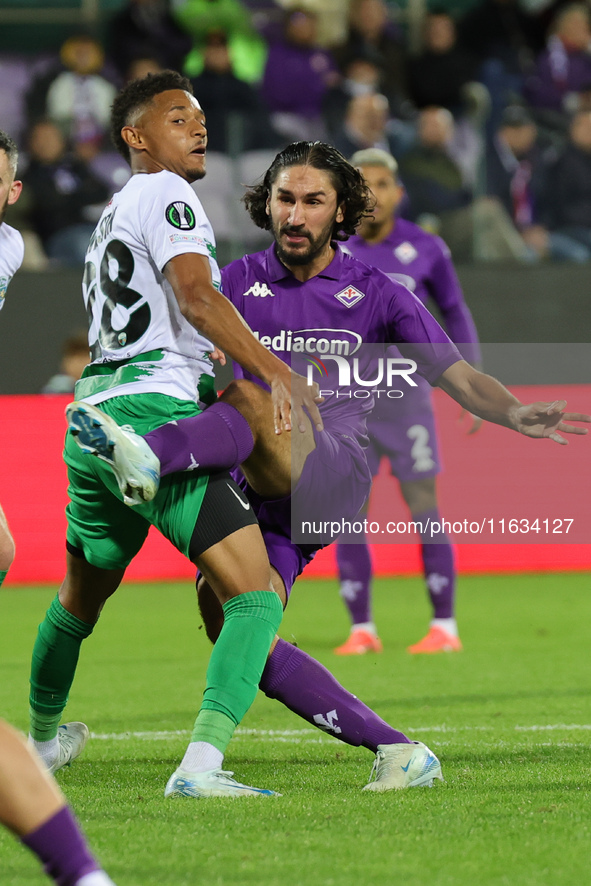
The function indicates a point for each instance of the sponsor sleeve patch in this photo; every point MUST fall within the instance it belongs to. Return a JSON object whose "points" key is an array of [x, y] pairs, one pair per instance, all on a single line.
{"points": [[188, 238]]}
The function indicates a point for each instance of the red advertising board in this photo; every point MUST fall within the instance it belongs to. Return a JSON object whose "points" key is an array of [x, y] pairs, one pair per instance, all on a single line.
{"points": [[494, 487]]}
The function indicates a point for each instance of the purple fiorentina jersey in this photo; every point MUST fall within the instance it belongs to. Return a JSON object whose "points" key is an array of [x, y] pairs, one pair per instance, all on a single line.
{"points": [[422, 262], [338, 312]]}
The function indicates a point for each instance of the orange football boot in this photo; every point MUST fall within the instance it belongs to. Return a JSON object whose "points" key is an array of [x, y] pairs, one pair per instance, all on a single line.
{"points": [[437, 640], [358, 643]]}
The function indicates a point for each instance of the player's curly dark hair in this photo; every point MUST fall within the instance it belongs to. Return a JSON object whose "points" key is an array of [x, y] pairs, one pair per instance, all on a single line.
{"points": [[352, 192], [135, 96]]}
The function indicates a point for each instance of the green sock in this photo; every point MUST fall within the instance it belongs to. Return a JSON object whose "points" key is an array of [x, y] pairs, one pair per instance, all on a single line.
{"points": [[237, 660], [55, 656], [2, 576], [214, 728]]}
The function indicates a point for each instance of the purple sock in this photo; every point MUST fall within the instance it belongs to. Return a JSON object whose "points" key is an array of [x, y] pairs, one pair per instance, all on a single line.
{"points": [[62, 849], [439, 568], [218, 439], [354, 564], [305, 686]]}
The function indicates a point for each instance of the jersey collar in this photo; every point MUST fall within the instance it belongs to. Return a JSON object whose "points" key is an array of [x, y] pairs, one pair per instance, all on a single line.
{"points": [[277, 271]]}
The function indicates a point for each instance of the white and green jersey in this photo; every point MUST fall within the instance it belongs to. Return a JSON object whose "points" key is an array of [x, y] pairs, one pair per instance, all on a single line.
{"points": [[139, 340], [12, 251]]}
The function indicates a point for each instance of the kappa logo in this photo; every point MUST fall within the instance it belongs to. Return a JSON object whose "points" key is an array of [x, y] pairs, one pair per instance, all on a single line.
{"points": [[261, 290], [328, 722], [405, 252], [180, 215], [349, 296]]}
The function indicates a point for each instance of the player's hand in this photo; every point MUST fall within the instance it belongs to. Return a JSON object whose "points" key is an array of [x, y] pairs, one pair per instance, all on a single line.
{"points": [[218, 355], [547, 419], [292, 397], [474, 424]]}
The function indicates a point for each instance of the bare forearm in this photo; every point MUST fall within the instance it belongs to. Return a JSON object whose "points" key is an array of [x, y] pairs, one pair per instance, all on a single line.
{"points": [[481, 394], [218, 320]]}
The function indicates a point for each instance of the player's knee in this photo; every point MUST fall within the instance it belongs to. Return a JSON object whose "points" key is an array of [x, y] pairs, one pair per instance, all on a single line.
{"points": [[7, 550], [249, 399], [420, 495]]}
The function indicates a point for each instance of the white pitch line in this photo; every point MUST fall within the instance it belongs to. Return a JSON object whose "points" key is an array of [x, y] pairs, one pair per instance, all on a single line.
{"points": [[299, 735], [565, 726]]}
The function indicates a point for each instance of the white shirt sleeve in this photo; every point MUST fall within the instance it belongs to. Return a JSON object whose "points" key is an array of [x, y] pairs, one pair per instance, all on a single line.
{"points": [[12, 251], [173, 221]]}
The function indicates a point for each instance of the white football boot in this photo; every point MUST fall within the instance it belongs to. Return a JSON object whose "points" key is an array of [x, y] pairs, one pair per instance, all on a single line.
{"points": [[136, 467], [214, 783], [71, 738], [403, 766]]}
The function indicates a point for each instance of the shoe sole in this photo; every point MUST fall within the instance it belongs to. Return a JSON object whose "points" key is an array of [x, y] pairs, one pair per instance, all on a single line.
{"points": [[182, 789], [94, 435], [90, 434]]}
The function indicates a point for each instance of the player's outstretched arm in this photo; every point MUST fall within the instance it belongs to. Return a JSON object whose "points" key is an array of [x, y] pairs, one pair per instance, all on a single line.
{"points": [[216, 318], [483, 395]]}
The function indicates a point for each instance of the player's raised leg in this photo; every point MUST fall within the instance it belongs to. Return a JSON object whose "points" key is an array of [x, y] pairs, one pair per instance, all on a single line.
{"points": [[33, 808], [235, 430], [217, 439]]}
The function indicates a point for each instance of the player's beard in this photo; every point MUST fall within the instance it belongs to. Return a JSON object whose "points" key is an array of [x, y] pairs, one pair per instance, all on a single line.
{"points": [[301, 256], [197, 175], [3, 210]]}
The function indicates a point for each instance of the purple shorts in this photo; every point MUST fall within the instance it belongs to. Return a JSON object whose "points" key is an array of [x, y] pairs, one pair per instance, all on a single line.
{"points": [[334, 485], [404, 431]]}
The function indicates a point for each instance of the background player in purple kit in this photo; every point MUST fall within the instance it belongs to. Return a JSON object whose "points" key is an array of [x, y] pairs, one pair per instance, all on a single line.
{"points": [[421, 261], [303, 291]]}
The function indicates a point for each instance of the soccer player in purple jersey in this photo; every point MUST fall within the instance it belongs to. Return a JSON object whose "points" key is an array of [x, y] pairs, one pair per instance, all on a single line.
{"points": [[299, 296], [421, 261]]}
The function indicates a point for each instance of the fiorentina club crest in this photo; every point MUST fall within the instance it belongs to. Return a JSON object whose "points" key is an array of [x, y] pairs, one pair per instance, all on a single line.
{"points": [[349, 296], [405, 252]]}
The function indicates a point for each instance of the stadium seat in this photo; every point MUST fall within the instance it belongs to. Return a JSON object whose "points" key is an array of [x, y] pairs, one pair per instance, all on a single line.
{"points": [[215, 192]]}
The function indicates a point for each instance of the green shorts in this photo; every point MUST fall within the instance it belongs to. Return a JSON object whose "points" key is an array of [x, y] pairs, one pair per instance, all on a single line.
{"points": [[108, 532]]}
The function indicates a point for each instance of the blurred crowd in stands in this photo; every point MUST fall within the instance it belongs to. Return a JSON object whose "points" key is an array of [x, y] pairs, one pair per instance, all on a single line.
{"points": [[488, 114]]}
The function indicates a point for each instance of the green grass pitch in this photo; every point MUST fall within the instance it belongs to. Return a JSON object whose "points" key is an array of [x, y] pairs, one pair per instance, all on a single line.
{"points": [[509, 718]]}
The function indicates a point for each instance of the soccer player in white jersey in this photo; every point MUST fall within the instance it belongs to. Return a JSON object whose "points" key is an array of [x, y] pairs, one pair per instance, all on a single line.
{"points": [[12, 250], [31, 804], [151, 289]]}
